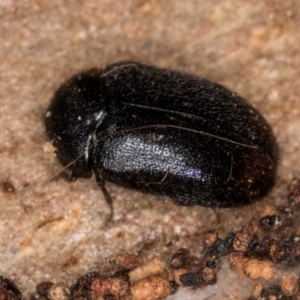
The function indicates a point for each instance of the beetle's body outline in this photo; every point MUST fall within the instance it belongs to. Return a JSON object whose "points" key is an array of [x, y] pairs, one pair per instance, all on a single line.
{"points": [[163, 132]]}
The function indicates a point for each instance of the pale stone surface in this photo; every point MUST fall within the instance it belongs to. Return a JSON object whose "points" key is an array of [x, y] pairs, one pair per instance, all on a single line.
{"points": [[54, 230]]}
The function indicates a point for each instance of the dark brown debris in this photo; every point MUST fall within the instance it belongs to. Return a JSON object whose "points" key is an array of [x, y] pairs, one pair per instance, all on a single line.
{"points": [[51, 291], [273, 292], [202, 277], [255, 250], [8, 290], [7, 187], [128, 261], [245, 236], [152, 287], [294, 196], [221, 247], [94, 286], [289, 285], [180, 259]]}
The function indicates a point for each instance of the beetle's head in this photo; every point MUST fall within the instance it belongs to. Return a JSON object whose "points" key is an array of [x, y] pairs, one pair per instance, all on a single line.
{"points": [[75, 111]]}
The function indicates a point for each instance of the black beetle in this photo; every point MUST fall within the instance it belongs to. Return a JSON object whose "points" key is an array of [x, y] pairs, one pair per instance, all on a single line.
{"points": [[162, 132]]}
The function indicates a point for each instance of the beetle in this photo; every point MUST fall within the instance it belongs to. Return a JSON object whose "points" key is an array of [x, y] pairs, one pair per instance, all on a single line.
{"points": [[162, 132]]}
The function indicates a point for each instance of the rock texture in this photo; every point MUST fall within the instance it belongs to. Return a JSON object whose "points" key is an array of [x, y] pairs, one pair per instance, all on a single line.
{"points": [[53, 230]]}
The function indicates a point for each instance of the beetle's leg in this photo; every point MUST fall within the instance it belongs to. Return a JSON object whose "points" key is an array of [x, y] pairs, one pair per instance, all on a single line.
{"points": [[109, 202], [107, 197]]}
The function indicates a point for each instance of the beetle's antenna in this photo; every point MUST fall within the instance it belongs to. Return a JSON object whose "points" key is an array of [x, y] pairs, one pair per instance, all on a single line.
{"points": [[117, 68], [180, 128], [146, 127]]}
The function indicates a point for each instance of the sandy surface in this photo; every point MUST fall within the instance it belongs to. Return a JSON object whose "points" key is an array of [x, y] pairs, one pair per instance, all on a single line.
{"points": [[54, 230]]}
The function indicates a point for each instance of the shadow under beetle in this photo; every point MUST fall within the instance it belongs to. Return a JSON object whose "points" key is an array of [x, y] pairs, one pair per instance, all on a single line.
{"points": [[162, 132]]}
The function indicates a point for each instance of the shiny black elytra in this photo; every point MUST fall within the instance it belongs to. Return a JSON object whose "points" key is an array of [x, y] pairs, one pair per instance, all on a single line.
{"points": [[162, 132]]}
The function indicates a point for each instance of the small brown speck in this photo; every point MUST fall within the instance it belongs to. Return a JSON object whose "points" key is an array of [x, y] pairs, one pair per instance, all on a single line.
{"points": [[255, 269], [294, 196], [153, 287], [268, 211], [210, 239], [153, 267], [127, 261], [177, 274], [8, 290], [257, 289], [238, 261], [48, 147], [179, 259], [244, 237], [289, 285], [71, 261], [59, 291], [43, 288], [202, 277], [7, 187]]}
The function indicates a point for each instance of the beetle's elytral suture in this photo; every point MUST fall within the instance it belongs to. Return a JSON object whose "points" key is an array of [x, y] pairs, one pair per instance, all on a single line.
{"points": [[162, 132]]}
